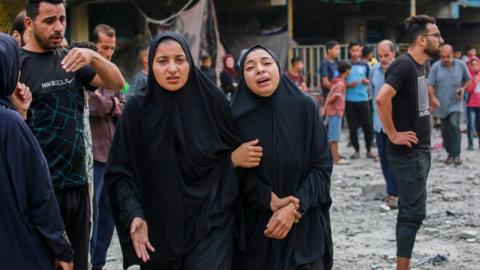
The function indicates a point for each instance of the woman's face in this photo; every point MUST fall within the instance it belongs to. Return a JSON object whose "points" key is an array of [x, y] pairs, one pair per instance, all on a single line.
{"points": [[229, 62], [170, 66], [261, 73], [475, 66]]}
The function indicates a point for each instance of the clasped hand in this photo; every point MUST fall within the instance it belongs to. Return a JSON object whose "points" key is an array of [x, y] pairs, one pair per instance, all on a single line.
{"points": [[285, 214]]}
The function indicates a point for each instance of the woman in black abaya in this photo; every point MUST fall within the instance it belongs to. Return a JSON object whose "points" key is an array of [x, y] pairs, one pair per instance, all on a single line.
{"points": [[285, 200], [32, 234], [170, 174]]}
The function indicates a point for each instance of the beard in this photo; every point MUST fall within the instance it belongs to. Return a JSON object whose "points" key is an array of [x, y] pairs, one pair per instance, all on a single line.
{"points": [[46, 44], [431, 50]]}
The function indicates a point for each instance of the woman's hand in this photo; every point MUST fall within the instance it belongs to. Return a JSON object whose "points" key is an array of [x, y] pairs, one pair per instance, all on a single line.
{"points": [[247, 155], [277, 203], [282, 221], [21, 99], [139, 235]]}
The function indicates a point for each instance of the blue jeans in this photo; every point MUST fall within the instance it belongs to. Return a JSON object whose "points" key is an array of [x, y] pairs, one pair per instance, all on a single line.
{"points": [[473, 120], [103, 225], [382, 141]]}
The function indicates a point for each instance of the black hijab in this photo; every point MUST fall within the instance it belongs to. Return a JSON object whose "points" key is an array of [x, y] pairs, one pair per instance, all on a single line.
{"points": [[170, 162], [296, 161], [9, 67]]}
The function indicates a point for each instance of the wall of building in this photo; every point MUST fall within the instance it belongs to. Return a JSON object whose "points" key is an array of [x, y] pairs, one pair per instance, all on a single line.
{"points": [[8, 10]]}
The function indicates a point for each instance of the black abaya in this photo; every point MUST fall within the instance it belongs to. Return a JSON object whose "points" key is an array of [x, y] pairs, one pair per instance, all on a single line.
{"points": [[31, 228], [297, 162], [170, 164]]}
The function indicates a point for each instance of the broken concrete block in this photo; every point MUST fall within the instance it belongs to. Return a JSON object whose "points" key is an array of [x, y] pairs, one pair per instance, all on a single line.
{"points": [[431, 231], [468, 234]]}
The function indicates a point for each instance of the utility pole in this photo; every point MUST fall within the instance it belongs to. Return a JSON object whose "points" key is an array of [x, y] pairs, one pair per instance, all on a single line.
{"points": [[413, 9]]}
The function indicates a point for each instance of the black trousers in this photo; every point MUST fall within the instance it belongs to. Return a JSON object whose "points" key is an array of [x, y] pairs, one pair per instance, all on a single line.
{"points": [[359, 115], [214, 252], [74, 206], [411, 172]]}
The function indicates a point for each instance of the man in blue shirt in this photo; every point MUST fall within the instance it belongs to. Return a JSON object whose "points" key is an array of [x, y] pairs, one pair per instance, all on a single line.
{"points": [[357, 101], [386, 55], [447, 80]]}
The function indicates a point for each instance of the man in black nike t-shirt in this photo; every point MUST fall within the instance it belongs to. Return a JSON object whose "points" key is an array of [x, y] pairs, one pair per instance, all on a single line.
{"points": [[56, 78], [404, 109]]}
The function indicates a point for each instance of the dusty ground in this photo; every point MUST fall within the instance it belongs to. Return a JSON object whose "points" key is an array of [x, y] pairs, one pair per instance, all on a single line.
{"points": [[364, 235]]}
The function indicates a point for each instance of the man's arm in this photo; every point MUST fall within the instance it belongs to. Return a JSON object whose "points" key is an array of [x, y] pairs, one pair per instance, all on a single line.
{"points": [[108, 75], [352, 84], [326, 82], [434, 102], [384, 104], [467, 80]]}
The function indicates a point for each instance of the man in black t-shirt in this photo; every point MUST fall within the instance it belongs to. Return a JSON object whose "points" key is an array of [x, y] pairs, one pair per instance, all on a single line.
{"points": [[56, 78], [404, 109]]}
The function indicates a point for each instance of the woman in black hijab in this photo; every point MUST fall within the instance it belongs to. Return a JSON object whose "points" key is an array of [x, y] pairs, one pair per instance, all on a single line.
{"points": [[286, 200], [31, 228], [171, 166]]}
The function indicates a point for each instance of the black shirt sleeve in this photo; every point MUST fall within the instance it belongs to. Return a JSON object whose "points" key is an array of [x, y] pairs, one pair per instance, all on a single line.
{"points": [[85, 75], [397, 74]]}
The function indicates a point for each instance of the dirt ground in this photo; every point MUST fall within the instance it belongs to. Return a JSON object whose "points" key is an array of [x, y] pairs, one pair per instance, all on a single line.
{"points": [[364, 234]]}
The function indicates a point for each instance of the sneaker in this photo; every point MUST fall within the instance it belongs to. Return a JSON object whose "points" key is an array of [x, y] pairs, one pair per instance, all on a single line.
{"points": [[470, 147], [371, 155], [448, 161], [457, 161], [342, 162], [391, 201], [356, 155]]}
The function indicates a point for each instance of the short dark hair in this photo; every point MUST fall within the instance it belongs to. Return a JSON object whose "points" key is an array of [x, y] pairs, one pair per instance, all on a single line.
{"points": [[416, 26], [142, 47], [205, 57], [343, 66], [353, 43], [471, 48], [367, 50], [32, 6], [18, 23], [83, 44], [330, 44], [295, 60], [102, 28]]}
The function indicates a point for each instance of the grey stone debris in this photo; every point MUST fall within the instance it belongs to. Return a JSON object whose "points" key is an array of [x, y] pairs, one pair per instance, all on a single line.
{"points": [[384, 208], [431, 231], [468, 234], [373, 192], [452, 196]]}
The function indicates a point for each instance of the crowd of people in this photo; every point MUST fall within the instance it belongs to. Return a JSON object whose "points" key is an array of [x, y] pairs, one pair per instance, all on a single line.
{"points": [[195, 176]]}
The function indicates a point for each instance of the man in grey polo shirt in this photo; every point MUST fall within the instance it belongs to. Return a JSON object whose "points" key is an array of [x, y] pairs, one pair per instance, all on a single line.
{"points": [[447, 80]]}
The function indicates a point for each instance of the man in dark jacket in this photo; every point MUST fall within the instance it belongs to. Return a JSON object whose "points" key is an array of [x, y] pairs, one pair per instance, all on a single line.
{"points": [[105, 106]]}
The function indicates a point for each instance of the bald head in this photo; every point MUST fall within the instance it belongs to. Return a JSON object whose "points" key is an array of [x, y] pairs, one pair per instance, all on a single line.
{"points": [[385, 53], [386, 45], [446, 55], [447, 48]]}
